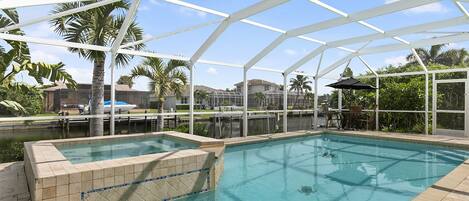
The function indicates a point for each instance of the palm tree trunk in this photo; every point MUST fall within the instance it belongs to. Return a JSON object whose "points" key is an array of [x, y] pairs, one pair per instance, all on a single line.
{"points": [[160, 117], [296, 99], [97, 98]]}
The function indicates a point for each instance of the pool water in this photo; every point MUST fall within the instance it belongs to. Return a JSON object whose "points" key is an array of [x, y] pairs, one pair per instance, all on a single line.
{"points": [[121, 148], [331, 168]]}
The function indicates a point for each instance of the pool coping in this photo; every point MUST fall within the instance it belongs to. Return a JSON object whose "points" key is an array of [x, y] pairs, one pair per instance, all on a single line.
{"points": [[454, 186]]}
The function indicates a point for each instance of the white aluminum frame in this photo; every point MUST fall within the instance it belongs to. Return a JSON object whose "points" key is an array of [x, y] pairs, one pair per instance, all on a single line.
{"points": [[129, 18], [241, 16], [435, 109]]}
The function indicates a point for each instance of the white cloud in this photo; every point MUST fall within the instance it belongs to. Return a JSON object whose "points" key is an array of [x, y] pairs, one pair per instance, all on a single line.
{"points": [[190, 12], [44, 56], [398, 60], [48, 54], [80, 75], [290, 52], [429, 8], [212, 71], [42, 30]]}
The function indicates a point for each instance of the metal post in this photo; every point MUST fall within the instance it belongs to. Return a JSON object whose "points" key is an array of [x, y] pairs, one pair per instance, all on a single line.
{"points": [[377, 105], [245, 103], [285, 103], [434, 95], [466, 109], [113, 94], [426, 103], [315, 121], [419, 60], [316, 91], [191, 99], [340, 100], [115, 47]]}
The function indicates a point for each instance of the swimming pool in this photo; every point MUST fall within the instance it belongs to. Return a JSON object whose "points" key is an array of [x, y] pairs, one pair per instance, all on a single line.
{"points": [[121, 148], [331, 167]]}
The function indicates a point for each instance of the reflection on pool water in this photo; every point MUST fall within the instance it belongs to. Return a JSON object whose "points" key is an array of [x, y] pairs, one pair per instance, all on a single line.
{"points": [[331, 167], [121, 148]]}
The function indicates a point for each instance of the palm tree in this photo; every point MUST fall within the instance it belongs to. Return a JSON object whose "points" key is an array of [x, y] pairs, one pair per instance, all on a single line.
{"points": [[433, 55], [260, 98], [165, 79], [200, 96], [299, 84], [18, 60], [126, 80], [97, 26], [455, 57]]}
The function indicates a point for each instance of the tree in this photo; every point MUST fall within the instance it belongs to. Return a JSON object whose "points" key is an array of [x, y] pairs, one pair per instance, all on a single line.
{"points": [[455, 57], [432, 55], [200, 96], [260, 98], [165, 79], [309, 97], [20, 98], [97, 26], [300, 84], [126, 80]]}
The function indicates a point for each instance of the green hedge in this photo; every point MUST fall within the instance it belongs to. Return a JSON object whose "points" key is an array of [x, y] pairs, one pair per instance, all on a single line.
{"points": [[182, 107]]}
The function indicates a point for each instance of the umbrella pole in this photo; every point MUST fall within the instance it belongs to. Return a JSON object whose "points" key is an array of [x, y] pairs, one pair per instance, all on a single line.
{"points": [[340, 108]]}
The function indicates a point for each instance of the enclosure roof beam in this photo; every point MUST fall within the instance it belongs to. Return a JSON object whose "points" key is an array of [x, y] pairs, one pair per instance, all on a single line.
{"points": [[305, 59], [368, 66], [129, 18], [389, 48], [366, 14], [416, 44], [6, 4], [247, 21], [361, 22], [60, 43], [382, 10], [53, 42], [401, 31], [57, 15], [199, 8], [243, 13], [335, 65], [171, 33], [419, 60], [461, 8]]}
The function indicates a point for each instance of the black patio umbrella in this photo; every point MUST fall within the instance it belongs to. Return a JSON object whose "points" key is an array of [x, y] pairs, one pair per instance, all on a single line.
{"points": [[351, 83]]}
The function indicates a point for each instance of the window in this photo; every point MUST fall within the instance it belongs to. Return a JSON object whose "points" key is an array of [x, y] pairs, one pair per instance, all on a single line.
{"points": [[267, 87]]}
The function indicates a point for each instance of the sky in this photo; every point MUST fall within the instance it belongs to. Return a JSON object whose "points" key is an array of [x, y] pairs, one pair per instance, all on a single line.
{"points": [[240, 42]]}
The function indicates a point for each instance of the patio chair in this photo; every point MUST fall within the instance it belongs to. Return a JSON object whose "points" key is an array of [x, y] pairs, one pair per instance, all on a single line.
{"points": [[331, 116], [356, 117]]}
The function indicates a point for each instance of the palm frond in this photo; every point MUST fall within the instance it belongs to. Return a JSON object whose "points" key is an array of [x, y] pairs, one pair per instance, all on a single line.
{"points": [[13, 107]]}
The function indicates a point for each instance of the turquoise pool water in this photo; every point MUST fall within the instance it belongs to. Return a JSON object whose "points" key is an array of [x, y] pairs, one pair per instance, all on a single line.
{"points": [[113, 149], [331, 168]]}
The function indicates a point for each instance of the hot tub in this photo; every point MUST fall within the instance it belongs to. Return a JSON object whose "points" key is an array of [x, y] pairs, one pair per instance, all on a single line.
{"points": [[156, 166]]}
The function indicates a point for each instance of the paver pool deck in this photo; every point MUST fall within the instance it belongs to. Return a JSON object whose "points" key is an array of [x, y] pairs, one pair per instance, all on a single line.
{"points": [[453, 187]]}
